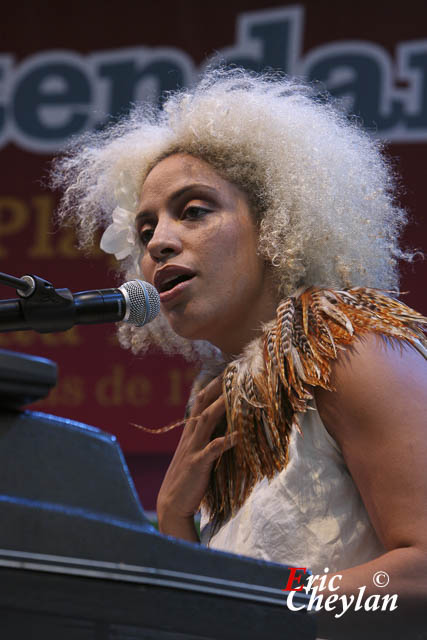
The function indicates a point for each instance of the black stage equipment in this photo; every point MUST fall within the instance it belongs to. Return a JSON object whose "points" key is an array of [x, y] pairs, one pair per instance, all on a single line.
{"points": [[79, 559]]}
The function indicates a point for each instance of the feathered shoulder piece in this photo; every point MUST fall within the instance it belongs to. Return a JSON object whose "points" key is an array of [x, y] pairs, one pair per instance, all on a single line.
{"points": [[271, 384]]}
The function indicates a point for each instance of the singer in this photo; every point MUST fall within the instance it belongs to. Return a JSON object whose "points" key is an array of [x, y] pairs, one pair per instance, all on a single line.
{"points": [[267, 221]]}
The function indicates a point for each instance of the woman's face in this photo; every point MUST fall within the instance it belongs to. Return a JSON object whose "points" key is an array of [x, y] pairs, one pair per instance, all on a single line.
{"points": [[200, 243]]}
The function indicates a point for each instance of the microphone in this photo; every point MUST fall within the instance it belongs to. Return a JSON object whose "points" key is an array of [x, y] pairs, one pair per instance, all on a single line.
{"points": [[45, 309]]}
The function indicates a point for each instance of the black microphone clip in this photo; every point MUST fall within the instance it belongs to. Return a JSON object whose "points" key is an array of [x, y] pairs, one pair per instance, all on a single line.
{"points": [[40, 295]]}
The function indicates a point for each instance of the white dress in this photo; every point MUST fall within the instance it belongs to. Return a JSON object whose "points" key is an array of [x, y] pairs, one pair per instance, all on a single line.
{"points": [[310, 515]]}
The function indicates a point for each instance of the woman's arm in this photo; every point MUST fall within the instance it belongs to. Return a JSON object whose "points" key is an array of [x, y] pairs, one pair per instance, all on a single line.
{"points": [[377, 415]]}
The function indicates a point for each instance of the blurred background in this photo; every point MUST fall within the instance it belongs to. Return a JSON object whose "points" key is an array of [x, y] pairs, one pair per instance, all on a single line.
{"points": [[64, 71]]}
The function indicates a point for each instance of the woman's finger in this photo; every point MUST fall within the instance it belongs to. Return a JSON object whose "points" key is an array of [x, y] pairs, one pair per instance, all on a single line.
{"points": [[215, 448], [205, 424], [206, 396]]}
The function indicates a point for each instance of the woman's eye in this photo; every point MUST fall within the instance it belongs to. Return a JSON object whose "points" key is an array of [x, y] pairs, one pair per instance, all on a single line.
{"points": [[145, 236], [192, 212], [195, 212]]}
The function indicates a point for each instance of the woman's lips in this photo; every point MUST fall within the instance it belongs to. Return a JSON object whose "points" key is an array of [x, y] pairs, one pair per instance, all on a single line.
{"points": [[171, 294]]}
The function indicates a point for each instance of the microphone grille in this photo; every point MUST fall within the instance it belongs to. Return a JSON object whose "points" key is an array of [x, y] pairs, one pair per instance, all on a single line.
{"points": [[142, 302]]}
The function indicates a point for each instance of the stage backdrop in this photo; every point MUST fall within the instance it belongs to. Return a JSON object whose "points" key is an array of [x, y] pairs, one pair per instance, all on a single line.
{"points": [[65, 71]]}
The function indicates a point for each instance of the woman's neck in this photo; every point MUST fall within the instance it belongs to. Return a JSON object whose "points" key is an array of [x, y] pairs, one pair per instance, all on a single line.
{"points": [[233, 340]]}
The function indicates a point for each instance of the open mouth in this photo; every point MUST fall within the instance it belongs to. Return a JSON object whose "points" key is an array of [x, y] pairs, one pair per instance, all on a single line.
{"points": [[170, 284]]}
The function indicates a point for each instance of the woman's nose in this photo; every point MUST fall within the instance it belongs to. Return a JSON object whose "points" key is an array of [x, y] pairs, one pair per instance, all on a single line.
{"points": [[165, 240]]}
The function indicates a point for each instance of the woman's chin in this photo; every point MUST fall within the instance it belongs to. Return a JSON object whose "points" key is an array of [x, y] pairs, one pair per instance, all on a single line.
{"points": [[188, 328]]}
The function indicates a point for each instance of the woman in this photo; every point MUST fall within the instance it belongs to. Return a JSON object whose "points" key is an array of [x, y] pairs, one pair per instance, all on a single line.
{"points": [[267, 222]]}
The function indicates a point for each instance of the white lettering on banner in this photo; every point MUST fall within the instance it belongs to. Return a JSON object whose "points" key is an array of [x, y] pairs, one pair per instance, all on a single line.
{"points": [[56, 94]]}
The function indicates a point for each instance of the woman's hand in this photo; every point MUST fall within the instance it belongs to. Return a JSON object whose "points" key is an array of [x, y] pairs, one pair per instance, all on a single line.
{"points": [[188, 475]]}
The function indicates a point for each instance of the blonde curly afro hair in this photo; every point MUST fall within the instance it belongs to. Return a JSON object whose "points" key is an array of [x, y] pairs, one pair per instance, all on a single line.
{"points": [[321, 190]]}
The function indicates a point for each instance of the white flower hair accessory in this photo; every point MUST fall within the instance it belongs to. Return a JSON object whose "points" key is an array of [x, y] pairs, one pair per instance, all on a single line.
{"points": [[120, 236]]}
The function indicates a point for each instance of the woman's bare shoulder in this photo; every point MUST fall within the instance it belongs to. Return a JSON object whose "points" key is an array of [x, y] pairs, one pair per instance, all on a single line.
{"points": [[373, 377]]}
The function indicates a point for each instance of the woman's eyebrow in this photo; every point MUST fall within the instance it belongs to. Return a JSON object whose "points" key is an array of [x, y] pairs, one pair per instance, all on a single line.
{"points": [[196, 185], [147, 213]]}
